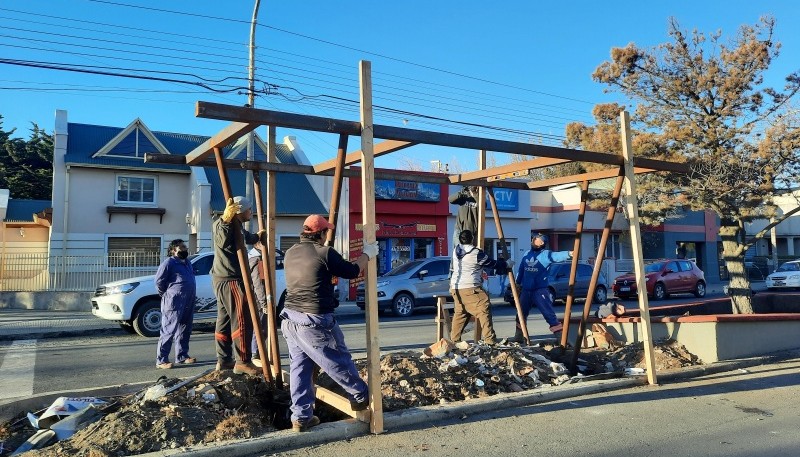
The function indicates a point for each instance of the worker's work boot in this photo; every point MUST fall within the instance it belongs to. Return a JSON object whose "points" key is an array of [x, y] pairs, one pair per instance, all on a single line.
{"points": [[518, 337], [298, 426], [225, 365], [246, 368]]}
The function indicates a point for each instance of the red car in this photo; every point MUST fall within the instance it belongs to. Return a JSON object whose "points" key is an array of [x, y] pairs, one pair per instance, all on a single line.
{"points": [[664, 277]]}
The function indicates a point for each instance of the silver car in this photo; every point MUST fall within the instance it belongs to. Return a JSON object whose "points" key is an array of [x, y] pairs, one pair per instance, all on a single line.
{"points": [[410, 285]]}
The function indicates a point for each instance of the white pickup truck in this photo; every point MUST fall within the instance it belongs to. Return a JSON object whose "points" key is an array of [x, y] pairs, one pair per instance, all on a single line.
{"points": [[135, 303]]}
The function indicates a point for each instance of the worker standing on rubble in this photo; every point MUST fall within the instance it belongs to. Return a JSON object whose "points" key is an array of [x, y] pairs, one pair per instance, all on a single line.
{"points": [[175, 284], [532, 278], [311, 331], [234, 329], [466, 288]]}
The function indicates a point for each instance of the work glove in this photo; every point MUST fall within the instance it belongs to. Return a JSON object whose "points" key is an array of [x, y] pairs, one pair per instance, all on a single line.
{"points": [[231, 209], [371, 250], [263, 237]]}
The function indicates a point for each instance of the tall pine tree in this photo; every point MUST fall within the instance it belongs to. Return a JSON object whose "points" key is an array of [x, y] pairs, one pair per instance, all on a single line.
{"points": [[26, 166]]}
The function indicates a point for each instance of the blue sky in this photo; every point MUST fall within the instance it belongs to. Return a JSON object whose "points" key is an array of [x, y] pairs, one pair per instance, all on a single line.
{"points": [[522, 66]]}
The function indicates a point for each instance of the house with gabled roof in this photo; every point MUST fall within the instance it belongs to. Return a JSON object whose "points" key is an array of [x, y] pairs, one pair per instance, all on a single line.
{"points": [[108, 202]]}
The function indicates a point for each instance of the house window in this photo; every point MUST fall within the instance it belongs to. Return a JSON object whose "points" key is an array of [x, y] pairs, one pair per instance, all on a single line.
{"points": [[139, 190], [613, 246], [134, 251], [286, 242]]}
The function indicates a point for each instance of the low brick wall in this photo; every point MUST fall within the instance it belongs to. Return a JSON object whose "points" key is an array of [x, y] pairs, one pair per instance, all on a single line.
{"points": [[53, 301], [713, 337]]}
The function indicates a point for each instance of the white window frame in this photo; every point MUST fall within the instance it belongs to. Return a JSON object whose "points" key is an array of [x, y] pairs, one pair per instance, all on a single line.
{"points": [[119, 176]]}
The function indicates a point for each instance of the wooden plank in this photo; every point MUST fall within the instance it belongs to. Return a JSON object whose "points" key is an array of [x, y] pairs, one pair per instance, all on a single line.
{"points": [[592, 176], [225, 137], [335, 400], [636, 243], [371, 275], [271, 233], [383, 148], [320, 124], [532, 164], [576, 255]]}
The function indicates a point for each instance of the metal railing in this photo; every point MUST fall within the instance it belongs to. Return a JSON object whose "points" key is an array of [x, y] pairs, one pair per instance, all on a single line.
{"points": [[40, 272]]}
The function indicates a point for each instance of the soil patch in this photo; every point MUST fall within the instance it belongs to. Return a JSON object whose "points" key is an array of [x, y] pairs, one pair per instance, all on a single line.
{"points": [[221, 406]]}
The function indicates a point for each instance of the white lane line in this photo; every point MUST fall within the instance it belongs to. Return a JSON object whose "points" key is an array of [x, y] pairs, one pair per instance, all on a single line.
{"points": [[16, 371]]}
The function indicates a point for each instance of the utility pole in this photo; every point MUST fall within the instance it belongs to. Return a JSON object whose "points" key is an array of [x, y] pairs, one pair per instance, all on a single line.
{"points": [[251, 102]]}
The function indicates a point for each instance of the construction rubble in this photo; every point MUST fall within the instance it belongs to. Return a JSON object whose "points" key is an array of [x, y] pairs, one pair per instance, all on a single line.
{"points": [[217, 406]]}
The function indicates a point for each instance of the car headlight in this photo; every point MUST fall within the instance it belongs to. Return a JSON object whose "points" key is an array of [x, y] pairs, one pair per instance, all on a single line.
{"points": [[794, 277], [122, 288], [382, 283]]}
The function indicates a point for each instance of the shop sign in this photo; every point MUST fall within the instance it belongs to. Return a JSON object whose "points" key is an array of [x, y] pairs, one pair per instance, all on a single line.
{"points": [[426, 227], [386, 189], [506, 199]]}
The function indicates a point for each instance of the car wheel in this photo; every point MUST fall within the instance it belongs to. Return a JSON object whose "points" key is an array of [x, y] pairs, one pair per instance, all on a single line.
{"points": [[127, 327], [600, 295], [147, 321], [403, 305], [659, 291], [700, 289]]}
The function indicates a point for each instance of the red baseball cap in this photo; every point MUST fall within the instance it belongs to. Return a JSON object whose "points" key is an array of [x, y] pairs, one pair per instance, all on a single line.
{"points": [[316, 223]]}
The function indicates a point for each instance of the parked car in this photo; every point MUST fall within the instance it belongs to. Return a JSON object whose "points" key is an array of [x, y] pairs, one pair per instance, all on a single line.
{"points": [[135, 304], [410, 286], [664, 277], [558, 279], [787, 276]]}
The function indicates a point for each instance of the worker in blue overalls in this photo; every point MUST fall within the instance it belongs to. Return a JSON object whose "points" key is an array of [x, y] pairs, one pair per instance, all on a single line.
{"points": [[532, 279]]}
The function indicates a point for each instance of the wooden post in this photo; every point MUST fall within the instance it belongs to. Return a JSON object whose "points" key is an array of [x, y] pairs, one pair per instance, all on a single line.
{"points": [[268, 262], [511, 281], [270, 221], [598, 263], [576, 255], [338, 176], [636, 242], [243, 266], [480, 237], [371, 274], [443, 322]]}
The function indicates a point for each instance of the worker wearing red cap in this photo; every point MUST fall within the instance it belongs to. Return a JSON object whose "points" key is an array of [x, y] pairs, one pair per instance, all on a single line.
{"points": [[309, 327]]}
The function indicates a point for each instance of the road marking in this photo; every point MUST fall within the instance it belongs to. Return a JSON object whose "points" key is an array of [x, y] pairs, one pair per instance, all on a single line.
{"points": [[17, 369]]}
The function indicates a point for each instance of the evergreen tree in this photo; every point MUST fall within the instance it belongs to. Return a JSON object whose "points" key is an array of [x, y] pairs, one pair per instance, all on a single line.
{"points": [[26, 166]]}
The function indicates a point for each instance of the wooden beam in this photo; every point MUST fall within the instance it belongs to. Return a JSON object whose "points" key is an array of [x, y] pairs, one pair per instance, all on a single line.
{"points": [[225, 137], [592, 176], [573, 270], [383, 148], [636, 243], [371, 272], [532, 164], [320, 124]]}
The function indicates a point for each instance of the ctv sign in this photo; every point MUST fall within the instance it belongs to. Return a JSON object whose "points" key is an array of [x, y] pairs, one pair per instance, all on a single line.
{"points": [[506, 199]]}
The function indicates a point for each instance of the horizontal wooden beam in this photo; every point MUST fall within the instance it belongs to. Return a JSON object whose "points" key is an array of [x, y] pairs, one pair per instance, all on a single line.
{"points": [[593, 176], [320, 124], [383, 148], [540, 162], [225, 137]]}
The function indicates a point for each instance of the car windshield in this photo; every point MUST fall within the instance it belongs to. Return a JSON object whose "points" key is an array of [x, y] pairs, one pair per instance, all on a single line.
{"points": [[403, 269], [790, 266], [653, 267]]}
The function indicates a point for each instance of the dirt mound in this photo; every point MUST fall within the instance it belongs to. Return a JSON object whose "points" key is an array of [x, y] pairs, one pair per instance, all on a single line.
{"points": [[220, 406]]}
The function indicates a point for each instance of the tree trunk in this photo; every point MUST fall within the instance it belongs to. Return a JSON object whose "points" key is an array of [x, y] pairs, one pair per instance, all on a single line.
{"points": [[733, 254]]}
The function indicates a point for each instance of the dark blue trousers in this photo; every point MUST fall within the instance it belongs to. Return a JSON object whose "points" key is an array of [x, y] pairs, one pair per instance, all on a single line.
{"points": [[316, 339], [176, 325], [542, 299]]}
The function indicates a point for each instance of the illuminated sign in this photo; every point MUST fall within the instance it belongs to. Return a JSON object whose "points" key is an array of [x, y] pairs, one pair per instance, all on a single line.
{"points": [[506, 199], [406, 190]]}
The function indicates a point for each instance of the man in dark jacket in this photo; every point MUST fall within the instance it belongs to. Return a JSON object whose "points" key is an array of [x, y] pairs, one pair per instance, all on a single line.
{"points": [[175, 284], [311, 332], [234, 328]]}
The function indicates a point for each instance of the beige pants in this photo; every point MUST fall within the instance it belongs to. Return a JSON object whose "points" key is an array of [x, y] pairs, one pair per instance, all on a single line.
{"points": [[472, 302]]}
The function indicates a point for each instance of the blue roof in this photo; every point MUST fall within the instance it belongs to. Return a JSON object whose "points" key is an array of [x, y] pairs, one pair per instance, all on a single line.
{"points": [[84, 140], [23, 210]]}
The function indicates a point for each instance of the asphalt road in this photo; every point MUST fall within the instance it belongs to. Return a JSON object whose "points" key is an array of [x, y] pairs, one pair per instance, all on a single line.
{"points": [[112, 358]]}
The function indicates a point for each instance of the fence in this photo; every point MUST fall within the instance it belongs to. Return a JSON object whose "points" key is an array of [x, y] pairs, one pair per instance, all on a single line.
{"points": [[37, 272]]}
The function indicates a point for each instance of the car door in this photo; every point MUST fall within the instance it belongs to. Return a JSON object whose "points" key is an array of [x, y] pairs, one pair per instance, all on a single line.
{"points": [[434, 282], [687, 275], [582, 280], [205, 302], [671, 277]]}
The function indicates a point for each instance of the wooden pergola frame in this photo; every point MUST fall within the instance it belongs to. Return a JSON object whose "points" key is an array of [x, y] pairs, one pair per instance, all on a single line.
{"points": [[244, 120]]}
